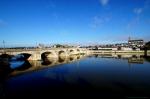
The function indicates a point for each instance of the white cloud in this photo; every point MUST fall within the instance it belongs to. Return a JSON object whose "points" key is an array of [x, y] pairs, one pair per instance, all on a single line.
{"points": [[133, 23], [138, 10], [98, 21], [104, 2], [137, 19]]}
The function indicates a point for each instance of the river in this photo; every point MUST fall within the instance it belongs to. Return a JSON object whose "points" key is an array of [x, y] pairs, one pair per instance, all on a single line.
{"points": [[93, 75]]}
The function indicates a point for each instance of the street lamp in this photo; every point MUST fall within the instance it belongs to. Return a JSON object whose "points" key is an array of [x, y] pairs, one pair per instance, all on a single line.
{"points": [[4, 44]]}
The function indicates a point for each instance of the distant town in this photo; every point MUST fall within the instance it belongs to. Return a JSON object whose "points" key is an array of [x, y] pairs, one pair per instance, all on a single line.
{"points": [[130, 45]]}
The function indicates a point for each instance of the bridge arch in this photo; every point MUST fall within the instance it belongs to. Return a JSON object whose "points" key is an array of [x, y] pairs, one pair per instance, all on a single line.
{"points": [[48, 54], [72, 51], [78, 50], [40, 54], [26, 55], [5, 56], [62, 53], [21, 56]]}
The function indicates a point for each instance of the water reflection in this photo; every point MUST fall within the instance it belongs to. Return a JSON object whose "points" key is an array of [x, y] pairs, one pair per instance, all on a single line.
{"points": [[78, 57], [72, 57], [30, 66], [106, 73], [16, 64], [139, 59], [62, 59], [18, 67], [95, 73], [70, 74], [48, 62]]}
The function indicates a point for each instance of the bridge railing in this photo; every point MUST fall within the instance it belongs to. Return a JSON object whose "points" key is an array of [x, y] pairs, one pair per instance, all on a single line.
{"points": [[32, 49]]}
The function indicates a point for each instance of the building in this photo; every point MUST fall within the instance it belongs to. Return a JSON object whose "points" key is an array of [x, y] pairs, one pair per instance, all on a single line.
{"points": [[136, 43], [126, 49], [107, 49]]}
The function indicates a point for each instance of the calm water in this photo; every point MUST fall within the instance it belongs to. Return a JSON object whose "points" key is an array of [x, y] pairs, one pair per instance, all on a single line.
{"points": [[95, 75]]}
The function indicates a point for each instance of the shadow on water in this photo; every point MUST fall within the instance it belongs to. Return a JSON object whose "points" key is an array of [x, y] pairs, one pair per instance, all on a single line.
{"points": [[5, 57], [147, 58], [5, 70]]}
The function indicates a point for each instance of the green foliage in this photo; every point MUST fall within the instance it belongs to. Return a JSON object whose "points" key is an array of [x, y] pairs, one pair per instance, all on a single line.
{"points": [[62, 46], [59, 45], [147, 45]]}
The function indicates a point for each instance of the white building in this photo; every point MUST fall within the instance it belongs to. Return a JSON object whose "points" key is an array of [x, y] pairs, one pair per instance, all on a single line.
{"points": [[126, 49], [113, 49]]}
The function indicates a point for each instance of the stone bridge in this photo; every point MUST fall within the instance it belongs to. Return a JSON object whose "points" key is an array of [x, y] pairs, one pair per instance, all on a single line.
{"points": [[41, 54]]}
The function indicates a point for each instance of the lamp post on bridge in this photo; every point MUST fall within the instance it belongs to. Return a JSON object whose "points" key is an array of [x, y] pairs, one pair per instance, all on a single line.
{"points": [[4, 46]]}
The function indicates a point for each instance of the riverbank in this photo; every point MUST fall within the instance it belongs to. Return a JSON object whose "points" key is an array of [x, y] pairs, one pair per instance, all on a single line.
{"points": [[118, 52]]}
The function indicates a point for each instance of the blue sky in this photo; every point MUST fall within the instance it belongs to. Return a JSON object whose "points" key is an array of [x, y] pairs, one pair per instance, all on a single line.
{"points": [[73, 21]]}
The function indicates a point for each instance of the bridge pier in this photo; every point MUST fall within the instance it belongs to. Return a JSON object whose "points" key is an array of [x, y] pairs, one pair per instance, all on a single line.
{"points": [[35, 56]]}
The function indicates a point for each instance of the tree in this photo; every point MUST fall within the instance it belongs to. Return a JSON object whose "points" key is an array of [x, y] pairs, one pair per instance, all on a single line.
{"points": [[59, 46], [147, 45], [96, 48]]}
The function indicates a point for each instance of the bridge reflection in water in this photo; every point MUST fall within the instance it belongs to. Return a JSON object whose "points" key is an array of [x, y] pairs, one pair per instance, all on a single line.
{"points": [[29, 66]]}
